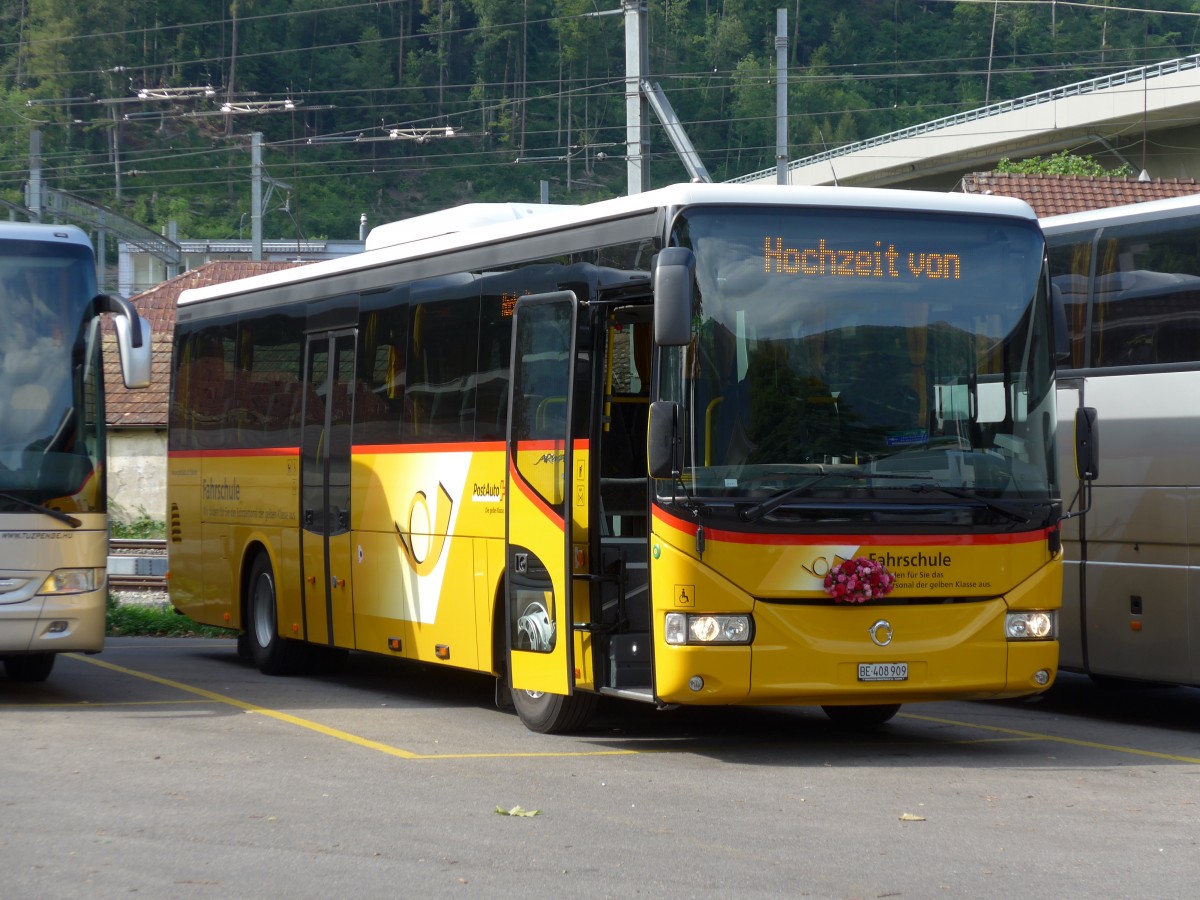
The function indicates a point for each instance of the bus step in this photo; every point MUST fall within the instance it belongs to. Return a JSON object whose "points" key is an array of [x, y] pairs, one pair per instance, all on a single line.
{"points": [[642, 694]]}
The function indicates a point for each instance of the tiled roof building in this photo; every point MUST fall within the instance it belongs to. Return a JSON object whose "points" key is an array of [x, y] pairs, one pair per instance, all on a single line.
{"points": [[147, 408], [1053, 195]]}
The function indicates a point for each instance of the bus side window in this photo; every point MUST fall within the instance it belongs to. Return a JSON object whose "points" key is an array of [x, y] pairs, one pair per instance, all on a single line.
{"points": [[1070, 267], [382, 373], [1147, 301], [441, 366], [211, 380], [491, 387]]}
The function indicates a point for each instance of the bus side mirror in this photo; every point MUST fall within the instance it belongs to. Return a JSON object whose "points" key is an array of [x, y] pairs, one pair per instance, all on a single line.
{"points": [[663, 446], [674, 275], [1087, 444], [133, 339], [1062, 331]]}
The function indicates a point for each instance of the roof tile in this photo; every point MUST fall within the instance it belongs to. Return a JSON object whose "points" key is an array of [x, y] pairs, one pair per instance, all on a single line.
{"points": [[1052, 195]]}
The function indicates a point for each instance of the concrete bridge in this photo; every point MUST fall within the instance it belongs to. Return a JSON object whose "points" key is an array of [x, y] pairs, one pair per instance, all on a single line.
{"points": [[1148, 117]]}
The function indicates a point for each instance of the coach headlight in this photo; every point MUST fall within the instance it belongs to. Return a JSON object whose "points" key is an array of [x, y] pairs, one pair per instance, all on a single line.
{"points": [[1031, 625], [69, 581], [683, 628]]}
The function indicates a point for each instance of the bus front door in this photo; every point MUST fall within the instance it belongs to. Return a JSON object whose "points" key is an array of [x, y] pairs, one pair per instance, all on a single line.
{"points": [[546, 506], [325, 492]]}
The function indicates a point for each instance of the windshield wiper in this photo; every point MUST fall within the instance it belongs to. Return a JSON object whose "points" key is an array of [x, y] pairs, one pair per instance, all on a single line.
{"points": [[753, 513], [758, 510], [37, 507], [766, 507], [1012, 512]]}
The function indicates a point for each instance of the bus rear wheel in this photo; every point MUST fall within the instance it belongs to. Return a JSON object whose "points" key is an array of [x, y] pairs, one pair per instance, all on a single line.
{"points": [[29, 667], [272, 653], [861, 716], [553, 713]]}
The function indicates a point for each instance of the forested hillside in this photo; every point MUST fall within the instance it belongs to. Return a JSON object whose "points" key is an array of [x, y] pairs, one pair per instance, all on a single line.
{"points": [[354, 98]]}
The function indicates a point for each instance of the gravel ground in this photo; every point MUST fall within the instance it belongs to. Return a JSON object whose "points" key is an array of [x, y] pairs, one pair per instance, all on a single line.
{"points": [[142, 598]]}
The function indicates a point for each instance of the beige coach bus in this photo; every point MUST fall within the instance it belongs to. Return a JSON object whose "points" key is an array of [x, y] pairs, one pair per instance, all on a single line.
{"points": [[1130, 280], [53, 515]]}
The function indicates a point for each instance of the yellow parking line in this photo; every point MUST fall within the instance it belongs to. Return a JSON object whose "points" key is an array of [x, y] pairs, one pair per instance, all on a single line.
{"points": [[325, 729], [1053, 738], [212, 696]]}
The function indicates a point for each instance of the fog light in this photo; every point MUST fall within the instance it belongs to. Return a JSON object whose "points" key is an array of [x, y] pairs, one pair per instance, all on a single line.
{"points": [[1031, 625], [696, 683], [1041, 677], [58, 627]]}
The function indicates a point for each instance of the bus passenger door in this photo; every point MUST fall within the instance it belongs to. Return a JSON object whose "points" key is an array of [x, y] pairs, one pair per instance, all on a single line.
{"points": [[540, 502], [325, 492]]}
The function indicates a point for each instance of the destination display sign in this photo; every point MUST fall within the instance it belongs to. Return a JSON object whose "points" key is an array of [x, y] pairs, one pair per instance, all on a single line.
{"points": [[873, 261]]}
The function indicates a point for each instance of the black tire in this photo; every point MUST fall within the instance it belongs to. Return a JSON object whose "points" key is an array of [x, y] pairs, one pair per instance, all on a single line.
{"points": [[29, 667], [861, 717], [553, 713], [272, 653]]}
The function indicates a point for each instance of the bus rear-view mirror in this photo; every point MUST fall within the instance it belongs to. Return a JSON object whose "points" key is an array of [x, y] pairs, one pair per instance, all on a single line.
{"points": [[663, 450], [674, 276], [1087, 444]]}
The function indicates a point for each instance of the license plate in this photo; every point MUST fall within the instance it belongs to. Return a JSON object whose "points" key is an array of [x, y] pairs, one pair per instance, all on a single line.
{"points": [[896, 671]]}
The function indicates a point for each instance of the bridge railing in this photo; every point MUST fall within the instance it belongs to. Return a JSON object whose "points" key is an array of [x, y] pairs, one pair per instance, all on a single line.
{"points": [[1091, 86]]}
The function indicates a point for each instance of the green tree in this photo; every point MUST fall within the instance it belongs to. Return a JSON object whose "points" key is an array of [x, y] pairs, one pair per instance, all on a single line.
{"points": [[1061, 163]]}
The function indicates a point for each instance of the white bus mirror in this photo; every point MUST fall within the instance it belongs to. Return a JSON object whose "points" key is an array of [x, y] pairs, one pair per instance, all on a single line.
{"points": [[133, 340]]}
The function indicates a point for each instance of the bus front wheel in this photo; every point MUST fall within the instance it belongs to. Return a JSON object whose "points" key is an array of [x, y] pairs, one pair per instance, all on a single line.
{"points": [[30, 667], [273, 654], [553, 713]]}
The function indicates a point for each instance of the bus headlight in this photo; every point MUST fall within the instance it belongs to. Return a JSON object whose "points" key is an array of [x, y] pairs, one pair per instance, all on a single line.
{"points": [[683, 628], [1031, 625], [69, 581]]}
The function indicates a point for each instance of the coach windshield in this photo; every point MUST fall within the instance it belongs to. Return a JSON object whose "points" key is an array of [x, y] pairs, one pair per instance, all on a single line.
{"points": [[49, 372]]}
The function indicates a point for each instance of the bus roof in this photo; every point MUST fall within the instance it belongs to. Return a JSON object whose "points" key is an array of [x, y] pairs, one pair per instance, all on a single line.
{"points": [[1189, 204], [450, 221], [424, 236], [28, 231]]}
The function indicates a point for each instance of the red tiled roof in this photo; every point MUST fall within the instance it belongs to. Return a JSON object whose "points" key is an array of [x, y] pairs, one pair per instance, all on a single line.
{"points": [[147, 408], [1052, 195]]}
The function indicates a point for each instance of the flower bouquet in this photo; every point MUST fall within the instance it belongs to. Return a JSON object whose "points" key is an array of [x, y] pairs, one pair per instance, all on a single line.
{"points": [[858, 580]]}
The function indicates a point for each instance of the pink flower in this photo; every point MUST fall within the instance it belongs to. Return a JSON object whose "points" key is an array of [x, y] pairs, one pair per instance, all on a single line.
{"points": [[858, 580]]}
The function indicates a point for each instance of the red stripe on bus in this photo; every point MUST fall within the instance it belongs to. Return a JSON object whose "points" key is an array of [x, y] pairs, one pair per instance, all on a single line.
{"points": [[461, 447], [866, 540]]}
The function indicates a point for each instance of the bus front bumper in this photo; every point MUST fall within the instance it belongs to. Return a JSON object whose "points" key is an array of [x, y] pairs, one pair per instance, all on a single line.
{"points": [[54, 623], [831, 656]]}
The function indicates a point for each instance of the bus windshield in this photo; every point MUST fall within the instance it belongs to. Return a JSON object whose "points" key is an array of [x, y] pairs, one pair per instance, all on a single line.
{"points": [[859, 355], [49, 359]]}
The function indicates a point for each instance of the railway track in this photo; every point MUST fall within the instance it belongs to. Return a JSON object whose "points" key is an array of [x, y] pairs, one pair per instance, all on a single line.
{"points": [[137, 564]]}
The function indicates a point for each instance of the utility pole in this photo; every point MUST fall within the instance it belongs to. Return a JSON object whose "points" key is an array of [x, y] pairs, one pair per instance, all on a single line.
{"points": [[781, 98], [256, 210], [34, 200], [637, 113]]}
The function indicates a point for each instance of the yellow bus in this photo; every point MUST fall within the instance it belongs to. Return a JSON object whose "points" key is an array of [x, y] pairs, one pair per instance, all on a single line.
{"points": [[709, 444], [53, 499]]}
